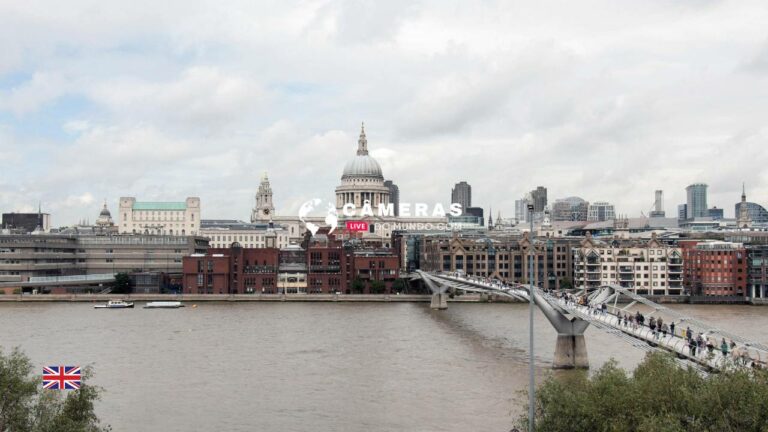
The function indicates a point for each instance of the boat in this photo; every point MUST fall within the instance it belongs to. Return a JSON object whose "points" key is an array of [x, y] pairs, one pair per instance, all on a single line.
{"points": [[115, 304], [163, 305]]}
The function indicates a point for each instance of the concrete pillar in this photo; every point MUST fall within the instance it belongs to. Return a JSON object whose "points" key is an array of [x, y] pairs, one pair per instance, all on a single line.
{"points": [[439, 301], [571, 352]]}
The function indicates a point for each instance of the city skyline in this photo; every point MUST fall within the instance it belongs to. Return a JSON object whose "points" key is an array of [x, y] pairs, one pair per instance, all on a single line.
{"points": [[99, 104]]}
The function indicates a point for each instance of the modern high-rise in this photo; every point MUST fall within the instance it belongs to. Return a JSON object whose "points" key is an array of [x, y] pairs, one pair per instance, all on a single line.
{"points": [[658, 205], [697, 201], [394, 195], [600, 211], [462, 194], [570, 209], [682, 212], [539, 196], [521, 208]]}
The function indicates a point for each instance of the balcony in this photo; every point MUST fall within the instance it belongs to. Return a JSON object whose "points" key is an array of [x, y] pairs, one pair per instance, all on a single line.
{"points": [[626, 277], [625, 269]]}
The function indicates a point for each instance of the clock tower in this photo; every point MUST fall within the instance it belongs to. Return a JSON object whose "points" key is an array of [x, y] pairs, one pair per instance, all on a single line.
{"points": [[264, 209]]}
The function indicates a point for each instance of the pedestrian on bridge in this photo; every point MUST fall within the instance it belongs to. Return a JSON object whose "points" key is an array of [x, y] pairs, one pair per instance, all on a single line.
{"points": [[688, 333], [724, 348], [692, 346], [664, 330], [672, 328]]}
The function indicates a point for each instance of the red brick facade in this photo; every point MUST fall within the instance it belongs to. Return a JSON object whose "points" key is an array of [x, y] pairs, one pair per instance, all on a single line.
{"points": [[330, 268], [714, 268]]}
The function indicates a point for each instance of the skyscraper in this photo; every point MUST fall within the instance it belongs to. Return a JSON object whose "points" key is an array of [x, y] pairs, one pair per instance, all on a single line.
{"points": [[658, 205], [539, 196], [394, 195], [462, 194], [697, 201]]}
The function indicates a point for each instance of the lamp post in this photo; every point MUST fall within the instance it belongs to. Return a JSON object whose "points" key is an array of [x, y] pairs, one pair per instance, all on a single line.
{"points": [[531, 303]]}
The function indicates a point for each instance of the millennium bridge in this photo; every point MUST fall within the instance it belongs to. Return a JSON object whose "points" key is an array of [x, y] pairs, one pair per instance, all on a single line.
{"points": [[571, 319]]}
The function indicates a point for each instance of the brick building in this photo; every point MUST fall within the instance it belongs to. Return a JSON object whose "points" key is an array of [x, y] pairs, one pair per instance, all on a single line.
{"points": [[714, 268], [324, 265]]}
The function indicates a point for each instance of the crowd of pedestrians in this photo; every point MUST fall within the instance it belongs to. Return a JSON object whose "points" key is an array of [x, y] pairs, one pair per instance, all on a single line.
{"points": [[699, 345]]}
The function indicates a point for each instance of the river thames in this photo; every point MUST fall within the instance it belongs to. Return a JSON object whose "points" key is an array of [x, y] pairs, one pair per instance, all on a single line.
{"points": [[313, 366]]}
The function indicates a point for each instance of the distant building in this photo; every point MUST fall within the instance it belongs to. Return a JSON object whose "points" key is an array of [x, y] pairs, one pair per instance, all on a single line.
{"points": [[682, 212], [26, 222], [600, 211], [222, 233], [697, 201], [746, 212], [394, 195], [570, 209], [521, 208], [462, 194], [658, 205], [715, 213], [73, 254], [324, 266], [159, 218], [476, 212], [105, 218], [646, 268], [757, 271], [264, 210], [539, 196], [714, 268], [755, 212]]}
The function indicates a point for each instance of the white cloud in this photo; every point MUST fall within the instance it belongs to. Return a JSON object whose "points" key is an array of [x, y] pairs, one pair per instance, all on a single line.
{"points": [[602, 99]]}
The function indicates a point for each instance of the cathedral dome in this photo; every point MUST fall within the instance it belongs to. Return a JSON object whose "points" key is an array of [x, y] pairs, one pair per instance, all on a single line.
{"points": [[105, 212], [362, 165]]}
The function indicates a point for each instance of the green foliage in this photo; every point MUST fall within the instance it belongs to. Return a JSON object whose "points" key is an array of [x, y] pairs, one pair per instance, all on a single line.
{"points": [[377, 287], [17, 290], [122, 284], [26, 407], [659, 395], [399, 285], [358, 285]]}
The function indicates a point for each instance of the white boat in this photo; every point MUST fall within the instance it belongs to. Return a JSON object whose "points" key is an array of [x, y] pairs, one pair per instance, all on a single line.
{"points": [[163, 305], [115, 304]]}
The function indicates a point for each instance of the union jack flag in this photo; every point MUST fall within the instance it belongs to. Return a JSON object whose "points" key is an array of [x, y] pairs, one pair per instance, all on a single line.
{"points": [[61, 377]]}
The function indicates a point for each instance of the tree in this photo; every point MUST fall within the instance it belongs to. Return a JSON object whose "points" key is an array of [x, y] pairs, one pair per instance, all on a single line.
{"points": [[566, 283], [122, 284], [660, 395], [399, 285], [26, 406], [358, 286], [377, 287]]}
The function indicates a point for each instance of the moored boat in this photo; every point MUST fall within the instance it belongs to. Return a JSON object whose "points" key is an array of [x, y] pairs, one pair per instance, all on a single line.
{"points": [[163, 305], [115, 304]]}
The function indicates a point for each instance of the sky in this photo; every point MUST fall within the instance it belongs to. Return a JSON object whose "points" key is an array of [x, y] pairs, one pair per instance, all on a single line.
{"points": [[607, 100]]}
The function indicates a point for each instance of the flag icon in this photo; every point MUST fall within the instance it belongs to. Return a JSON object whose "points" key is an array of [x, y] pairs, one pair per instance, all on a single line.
{"points": [[61, 377]]}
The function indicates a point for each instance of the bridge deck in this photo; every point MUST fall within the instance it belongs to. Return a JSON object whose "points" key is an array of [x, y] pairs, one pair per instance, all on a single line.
{"points": [[641, 337]]}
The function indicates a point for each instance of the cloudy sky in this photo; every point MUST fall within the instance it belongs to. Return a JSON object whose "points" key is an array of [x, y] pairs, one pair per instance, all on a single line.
{"points": [[607, 100]]}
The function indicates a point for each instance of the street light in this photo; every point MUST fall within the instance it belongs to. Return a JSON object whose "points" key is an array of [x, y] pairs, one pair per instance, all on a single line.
{"points": [[531, 302]]}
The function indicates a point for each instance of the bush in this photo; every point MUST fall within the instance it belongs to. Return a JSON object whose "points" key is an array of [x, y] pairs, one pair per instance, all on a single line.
{"points": [[26, 406], [660, 395]]}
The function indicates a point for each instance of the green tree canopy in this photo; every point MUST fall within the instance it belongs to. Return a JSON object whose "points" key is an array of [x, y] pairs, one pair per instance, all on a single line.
{"points": [[660, 395], [26, 407], [122, 284]]}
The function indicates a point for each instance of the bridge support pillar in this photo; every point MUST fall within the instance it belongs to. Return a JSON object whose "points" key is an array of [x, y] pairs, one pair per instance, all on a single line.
{"points": [[571, 352], [439, 301]]}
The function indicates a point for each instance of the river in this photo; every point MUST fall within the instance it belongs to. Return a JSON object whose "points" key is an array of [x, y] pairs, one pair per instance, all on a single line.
{"points": [[313, 366]]}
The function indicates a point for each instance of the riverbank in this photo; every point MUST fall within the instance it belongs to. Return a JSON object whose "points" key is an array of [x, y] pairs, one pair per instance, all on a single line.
{"points": [[414, 298]]}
